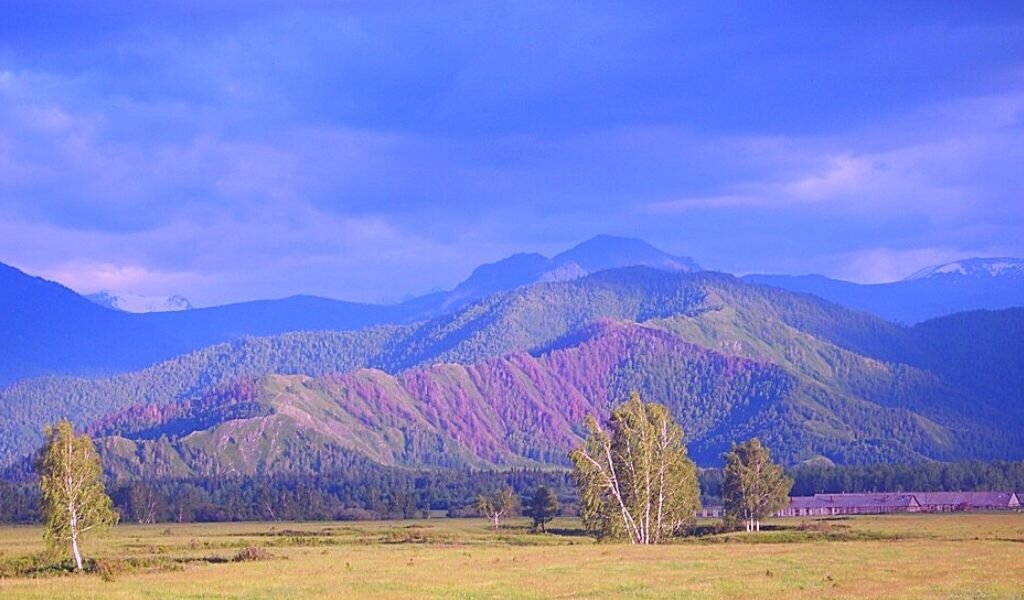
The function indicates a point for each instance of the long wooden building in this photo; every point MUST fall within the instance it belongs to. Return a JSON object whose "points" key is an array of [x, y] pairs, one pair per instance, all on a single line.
{"points": [[959, 501], [906, 502]]}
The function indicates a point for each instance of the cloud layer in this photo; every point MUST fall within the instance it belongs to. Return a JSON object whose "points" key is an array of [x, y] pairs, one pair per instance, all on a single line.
{"points": [[375, 150]]}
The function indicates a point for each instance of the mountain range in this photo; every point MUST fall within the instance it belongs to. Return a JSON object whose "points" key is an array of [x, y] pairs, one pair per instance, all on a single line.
{"points": [[88, 339], [507, 380], [501, 371], [978, 283]]}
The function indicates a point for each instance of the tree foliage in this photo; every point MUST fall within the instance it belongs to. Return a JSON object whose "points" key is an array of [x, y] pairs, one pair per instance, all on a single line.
{"points": [[754, 486], [541, 507], [74, 499], [367, 491], [633, 477], [498, 505]]}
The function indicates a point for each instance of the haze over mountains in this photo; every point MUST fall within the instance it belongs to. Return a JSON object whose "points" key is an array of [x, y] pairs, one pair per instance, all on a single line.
{"points": [[95, 342], [972, 284], [501, 370]]}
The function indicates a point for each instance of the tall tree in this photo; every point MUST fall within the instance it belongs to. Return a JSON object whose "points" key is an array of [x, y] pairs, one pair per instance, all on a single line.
{"points": [[633, 477], [754, 486], [144, 503], [74, 499], [542, 507], [497, 506]]}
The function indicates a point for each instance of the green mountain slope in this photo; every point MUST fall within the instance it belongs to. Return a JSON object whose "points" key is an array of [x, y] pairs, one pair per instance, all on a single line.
{"points": [[843, 384], [519, 410]]}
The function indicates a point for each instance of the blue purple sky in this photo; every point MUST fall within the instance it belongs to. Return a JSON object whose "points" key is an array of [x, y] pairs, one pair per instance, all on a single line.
{"points": [[367, 150]]}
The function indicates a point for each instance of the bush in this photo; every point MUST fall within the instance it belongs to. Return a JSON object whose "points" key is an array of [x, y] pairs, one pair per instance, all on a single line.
{"points": [[34, 565], [253, 553], [110, 569]]}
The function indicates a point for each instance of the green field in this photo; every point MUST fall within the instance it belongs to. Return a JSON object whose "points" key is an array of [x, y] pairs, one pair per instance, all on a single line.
{"points": [[923, 556]]}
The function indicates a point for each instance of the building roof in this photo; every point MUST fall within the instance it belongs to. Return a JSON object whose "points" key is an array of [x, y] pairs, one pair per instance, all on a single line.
{"points": [[805, 502], [993, 499], [906, 500], [883, 500]]}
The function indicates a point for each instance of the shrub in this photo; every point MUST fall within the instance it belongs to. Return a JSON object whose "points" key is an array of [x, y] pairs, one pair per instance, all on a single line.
{"points": [[253, 553], [34, 565], [110, 569]]}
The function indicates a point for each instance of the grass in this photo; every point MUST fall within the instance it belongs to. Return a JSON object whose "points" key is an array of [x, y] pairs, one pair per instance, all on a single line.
{"points": [[905, 556]]}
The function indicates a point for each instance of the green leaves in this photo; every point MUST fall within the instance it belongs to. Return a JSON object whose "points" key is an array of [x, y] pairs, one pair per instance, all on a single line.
{"points": [[541, 507], [754, 487], [74, 499], [497, 506], [634, 477]]}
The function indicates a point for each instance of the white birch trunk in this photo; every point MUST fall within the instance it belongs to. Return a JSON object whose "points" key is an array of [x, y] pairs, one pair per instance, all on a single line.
{"points": [[74, 536], [76, 553]]}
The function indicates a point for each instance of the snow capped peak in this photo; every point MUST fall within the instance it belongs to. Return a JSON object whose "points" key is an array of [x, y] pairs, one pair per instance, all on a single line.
{"points": [[974, 267], [135, 303]]}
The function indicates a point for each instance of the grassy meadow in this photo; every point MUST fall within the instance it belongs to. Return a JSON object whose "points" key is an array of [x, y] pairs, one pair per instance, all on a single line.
{"points": [[904, 556]]}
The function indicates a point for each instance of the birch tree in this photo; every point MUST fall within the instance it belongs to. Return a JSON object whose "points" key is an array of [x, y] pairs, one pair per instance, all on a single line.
{"points": [[498, 506], [633, 475], [74, 501], [754, 486]]}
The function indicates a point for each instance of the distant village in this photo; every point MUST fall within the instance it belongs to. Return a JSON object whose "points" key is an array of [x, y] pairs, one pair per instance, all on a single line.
{"points": [[882, 503]]}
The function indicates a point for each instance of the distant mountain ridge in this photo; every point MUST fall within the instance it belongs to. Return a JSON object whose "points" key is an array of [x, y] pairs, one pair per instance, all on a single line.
{"points": [[596, 254], [134, 303], [833, 383], [448, 380], [965, 285], [974, 268], [101, 341], [46, 328]]}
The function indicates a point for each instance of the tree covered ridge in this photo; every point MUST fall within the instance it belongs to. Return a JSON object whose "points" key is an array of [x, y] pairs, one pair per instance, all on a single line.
{"points": [[731, 360], [519, 410]]}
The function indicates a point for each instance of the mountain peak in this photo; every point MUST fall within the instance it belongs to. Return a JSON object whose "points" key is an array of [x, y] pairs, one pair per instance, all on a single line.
{"points": [[599, 253], [507, 273], [980, 268], [608, 252], [139, 304]]}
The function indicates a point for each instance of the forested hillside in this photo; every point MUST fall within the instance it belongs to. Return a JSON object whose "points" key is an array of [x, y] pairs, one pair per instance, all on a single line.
{"points": [[508, 379], [47, 329]]}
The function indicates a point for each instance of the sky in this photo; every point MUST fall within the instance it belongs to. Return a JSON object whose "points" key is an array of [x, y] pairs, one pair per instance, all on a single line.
{"points": [[372, 150]]}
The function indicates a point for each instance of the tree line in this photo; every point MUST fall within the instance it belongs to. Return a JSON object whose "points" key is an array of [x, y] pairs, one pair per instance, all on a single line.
{"points": [[633, 481], [351, 495], [380, 492], [361, 492]]}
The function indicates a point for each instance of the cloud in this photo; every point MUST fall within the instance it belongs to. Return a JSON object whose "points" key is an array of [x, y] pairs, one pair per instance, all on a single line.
{"points": [[272, 253], [939, 168], [365, 151], [88, 276]]}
